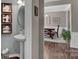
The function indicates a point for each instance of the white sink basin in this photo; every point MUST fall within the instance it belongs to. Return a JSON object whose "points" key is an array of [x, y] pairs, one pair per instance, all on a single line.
{"points": [[20, 37]]}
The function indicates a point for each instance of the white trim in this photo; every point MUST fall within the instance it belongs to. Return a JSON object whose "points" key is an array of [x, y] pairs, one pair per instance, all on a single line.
{"points": [[45, 1], [67, 20], [28, 30], [57, 8], [70, 19]]}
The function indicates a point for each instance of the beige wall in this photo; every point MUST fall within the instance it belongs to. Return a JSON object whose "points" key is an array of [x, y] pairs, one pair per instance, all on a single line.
{"points": [[35, 32], [74, 9]]}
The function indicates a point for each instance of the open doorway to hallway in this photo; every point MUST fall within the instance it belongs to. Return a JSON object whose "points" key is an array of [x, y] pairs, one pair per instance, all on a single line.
{"points": [[58, 16]]}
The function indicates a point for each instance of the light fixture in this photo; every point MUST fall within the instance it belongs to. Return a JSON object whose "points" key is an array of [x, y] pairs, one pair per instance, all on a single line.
{"points": [[46, 15], [19, 2]]}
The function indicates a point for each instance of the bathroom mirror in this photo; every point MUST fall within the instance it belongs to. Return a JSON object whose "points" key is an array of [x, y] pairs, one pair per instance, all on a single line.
{"points": [[21, 17]]}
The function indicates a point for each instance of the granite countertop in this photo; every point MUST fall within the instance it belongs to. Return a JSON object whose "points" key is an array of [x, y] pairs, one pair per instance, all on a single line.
{"points": [[57, 40]]}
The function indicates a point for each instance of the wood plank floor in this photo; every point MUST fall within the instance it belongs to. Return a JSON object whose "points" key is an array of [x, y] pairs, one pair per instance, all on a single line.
{"points": [[58, 51]]}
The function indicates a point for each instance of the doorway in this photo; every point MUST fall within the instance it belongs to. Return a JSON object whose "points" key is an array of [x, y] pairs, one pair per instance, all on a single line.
{"points": [[56, 18]]}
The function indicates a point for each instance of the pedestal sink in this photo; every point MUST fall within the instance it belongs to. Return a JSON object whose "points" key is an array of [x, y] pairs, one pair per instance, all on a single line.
{"points": [[21, 38]]}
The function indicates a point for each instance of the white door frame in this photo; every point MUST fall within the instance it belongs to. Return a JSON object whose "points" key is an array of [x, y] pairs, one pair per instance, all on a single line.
{"points": [[67, 9], [32, 43]]}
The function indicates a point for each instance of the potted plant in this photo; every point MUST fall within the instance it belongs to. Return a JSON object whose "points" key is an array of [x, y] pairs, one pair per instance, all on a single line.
{"points": [[67, 37]]}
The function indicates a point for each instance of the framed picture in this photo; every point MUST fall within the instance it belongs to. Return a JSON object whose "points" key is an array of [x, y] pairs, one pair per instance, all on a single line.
{"points": [[36, 10], [6, 18], [6, 7], [6, 28]]}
